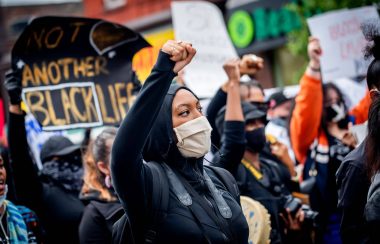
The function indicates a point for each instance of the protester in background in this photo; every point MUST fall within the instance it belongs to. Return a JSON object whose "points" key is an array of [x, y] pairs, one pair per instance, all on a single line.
{"points": [[53, 192], [279, 112], [372, 144], [18, 224], [250, 91], [168, 123], [103, 209], [321, 139], [258, 177], [249, 64]]}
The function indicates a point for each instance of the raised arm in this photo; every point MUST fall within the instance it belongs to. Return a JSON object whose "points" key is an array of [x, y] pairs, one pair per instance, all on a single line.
{"points": [[307, 114], [248, 65], [129, 175], [233, 143], [360, 111], [27, 184]]}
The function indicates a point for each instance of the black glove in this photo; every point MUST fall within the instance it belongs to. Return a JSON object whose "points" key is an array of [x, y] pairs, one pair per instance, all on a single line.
{"points": [[13, 85]]}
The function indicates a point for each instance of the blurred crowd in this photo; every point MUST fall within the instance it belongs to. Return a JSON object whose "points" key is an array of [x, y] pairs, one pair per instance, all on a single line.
{"points": [[149, 182]]}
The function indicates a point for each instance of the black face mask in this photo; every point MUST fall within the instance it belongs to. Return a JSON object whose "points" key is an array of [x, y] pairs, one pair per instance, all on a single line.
{"points": [[256, 139], [335, 112], [338, 114]]}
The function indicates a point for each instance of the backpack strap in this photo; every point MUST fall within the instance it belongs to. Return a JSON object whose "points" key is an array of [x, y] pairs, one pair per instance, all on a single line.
{"points": [[160, 201], [122, 230], [227, 179]]}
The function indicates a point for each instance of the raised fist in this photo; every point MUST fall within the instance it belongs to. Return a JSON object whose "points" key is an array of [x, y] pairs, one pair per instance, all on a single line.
{"points": [[181, 52], [314, 51], [250, 64], [231, 67]]}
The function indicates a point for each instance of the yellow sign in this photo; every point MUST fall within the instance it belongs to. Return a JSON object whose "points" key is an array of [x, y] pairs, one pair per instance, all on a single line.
{"points": [[144, 60]]}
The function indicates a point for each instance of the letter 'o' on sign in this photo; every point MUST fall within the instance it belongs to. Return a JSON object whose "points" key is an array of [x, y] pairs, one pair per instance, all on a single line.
{"points": [[241, 28]]}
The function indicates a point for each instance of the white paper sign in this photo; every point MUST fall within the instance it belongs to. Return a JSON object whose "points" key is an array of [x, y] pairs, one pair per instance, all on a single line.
{"points": [[202, 24], [342, 41]]}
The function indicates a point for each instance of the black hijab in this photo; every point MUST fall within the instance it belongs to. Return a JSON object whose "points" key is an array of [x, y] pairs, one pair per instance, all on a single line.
{"points": [[161, 144]]}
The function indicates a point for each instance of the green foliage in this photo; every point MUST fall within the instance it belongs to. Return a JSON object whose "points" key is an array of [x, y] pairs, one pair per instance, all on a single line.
{"points": [[298, 39]]}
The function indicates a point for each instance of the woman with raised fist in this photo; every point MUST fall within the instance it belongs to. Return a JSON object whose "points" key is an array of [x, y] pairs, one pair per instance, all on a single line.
{"points": [[173, 198]]}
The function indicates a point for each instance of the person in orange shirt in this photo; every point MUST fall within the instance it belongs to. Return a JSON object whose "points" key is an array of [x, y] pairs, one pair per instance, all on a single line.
{"points": [[321, 139]]}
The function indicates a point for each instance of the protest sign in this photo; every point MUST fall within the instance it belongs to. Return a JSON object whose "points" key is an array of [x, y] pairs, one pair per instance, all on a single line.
{"points": [[145, 59], [342, 41], [201, 23], [76, 72]]}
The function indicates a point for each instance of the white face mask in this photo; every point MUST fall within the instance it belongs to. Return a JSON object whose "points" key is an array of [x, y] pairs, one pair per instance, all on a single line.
{"points": [[340, 112], [194, 137]]}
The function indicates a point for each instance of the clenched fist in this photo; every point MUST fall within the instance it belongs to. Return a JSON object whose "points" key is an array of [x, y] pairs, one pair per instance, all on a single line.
{"points": [[250, 64], [181, 52]]}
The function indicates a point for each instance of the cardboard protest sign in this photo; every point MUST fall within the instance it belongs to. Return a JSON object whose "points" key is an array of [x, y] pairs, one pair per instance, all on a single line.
{"points": [[76, 72], [202, 24], [342, 41]]}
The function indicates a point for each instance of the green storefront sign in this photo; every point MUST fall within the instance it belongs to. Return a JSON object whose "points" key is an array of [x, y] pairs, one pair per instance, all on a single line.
{"points": [[260, 25]]}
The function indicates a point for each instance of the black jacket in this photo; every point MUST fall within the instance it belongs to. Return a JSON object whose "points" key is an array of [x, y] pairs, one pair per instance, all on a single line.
{"points": [[149, 123], [271, 196], [59, 210], [372, 210], [353, 185], [97, 221]]}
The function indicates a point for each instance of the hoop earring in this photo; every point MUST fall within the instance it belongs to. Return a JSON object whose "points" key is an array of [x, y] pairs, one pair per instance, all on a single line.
{"points": [[108, 182]]}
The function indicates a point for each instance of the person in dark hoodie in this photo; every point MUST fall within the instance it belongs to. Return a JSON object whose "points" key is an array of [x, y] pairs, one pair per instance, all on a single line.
{"points": [[103, 208], [52, 192], [258, 178], [166, 125], [250, 91]]}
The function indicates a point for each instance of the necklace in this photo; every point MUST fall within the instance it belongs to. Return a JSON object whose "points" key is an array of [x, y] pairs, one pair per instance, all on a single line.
{"points": [[2, 227]]}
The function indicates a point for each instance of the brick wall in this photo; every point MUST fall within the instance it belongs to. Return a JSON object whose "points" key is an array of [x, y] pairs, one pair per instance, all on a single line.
{"points": [[134, 9]]}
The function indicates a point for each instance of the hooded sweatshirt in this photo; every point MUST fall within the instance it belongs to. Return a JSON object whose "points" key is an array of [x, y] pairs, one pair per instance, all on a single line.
{"points": [[147, 133]]}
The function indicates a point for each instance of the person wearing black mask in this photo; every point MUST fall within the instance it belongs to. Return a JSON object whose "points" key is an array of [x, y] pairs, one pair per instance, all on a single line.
{"points": [[166, 125], [321, 139], [258, 177], [52, 192], [250, 91]]}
